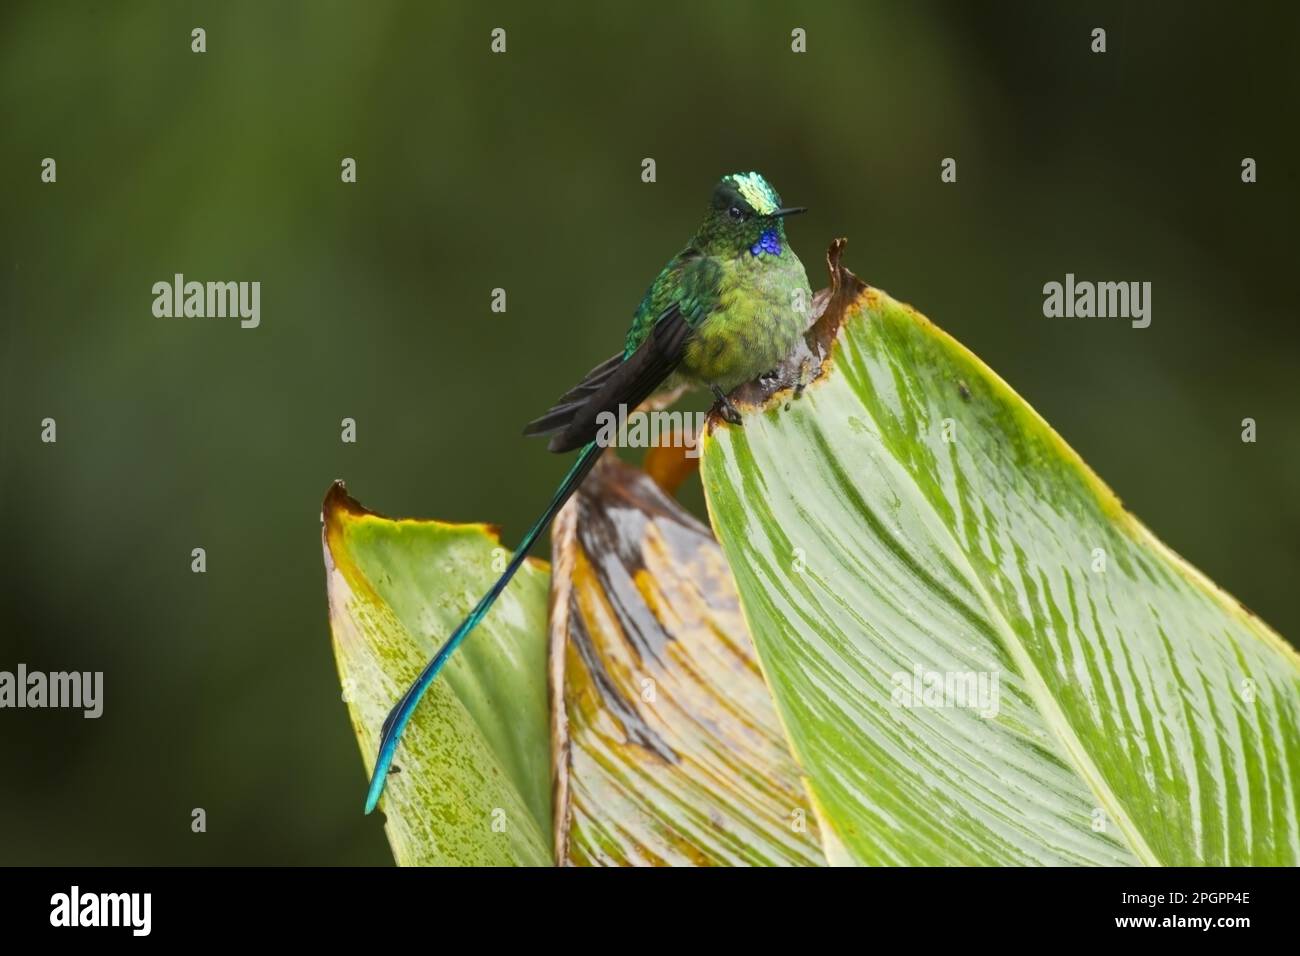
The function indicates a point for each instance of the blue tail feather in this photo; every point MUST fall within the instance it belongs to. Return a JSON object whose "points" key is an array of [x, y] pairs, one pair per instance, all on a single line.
{"points": [[401, 713]]}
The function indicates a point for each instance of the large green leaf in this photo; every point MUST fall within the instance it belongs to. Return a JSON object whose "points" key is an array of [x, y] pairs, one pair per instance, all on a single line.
{"points": [[668, 748], [910, 511], [474, 780]]}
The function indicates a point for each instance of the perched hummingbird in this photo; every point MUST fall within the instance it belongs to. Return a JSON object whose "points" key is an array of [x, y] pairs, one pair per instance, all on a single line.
{"points": [[724, 310]]}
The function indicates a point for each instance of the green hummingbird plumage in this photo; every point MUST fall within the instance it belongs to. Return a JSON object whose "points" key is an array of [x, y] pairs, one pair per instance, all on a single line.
{"points": [[724, 310], [737, 283]]}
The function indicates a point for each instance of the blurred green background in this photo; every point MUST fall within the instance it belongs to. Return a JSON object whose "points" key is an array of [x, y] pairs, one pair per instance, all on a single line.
{"points": [[523, 171]]}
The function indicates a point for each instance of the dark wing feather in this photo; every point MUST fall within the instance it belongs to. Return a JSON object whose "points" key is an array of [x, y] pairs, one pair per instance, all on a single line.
{"points": [[629, 382], [562, 412]]}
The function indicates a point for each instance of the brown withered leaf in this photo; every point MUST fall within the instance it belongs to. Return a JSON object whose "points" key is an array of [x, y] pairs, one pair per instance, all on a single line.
{"points": [[668, 749]]}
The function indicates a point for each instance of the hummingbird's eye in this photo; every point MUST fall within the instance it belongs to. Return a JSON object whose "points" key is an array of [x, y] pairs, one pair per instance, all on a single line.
{"points": [[736, 213]]}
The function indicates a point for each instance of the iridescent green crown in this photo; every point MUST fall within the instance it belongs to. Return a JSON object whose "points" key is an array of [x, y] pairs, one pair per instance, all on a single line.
{"points": [[756, 191]]}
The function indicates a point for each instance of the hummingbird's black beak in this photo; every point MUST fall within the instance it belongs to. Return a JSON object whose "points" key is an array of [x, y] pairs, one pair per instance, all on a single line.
{"points": [[788, 211]]}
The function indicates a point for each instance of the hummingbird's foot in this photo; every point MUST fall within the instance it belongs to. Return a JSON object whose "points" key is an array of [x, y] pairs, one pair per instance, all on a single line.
{"points": [[723, 406], [781, 378], [805, 376]]}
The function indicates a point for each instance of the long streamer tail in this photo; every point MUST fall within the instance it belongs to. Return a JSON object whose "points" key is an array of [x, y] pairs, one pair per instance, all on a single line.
{"points": [[401, 713]]}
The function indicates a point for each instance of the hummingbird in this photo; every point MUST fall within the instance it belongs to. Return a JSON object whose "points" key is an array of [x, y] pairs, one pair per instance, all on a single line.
{"points": [[726, 309]]}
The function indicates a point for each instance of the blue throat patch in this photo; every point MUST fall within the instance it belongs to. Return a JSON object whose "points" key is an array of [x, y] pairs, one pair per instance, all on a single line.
{"points": [[768, 242]]}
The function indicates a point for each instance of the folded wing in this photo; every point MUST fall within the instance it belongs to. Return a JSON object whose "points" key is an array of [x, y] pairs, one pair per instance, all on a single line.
{"points": [[575, 419]]}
